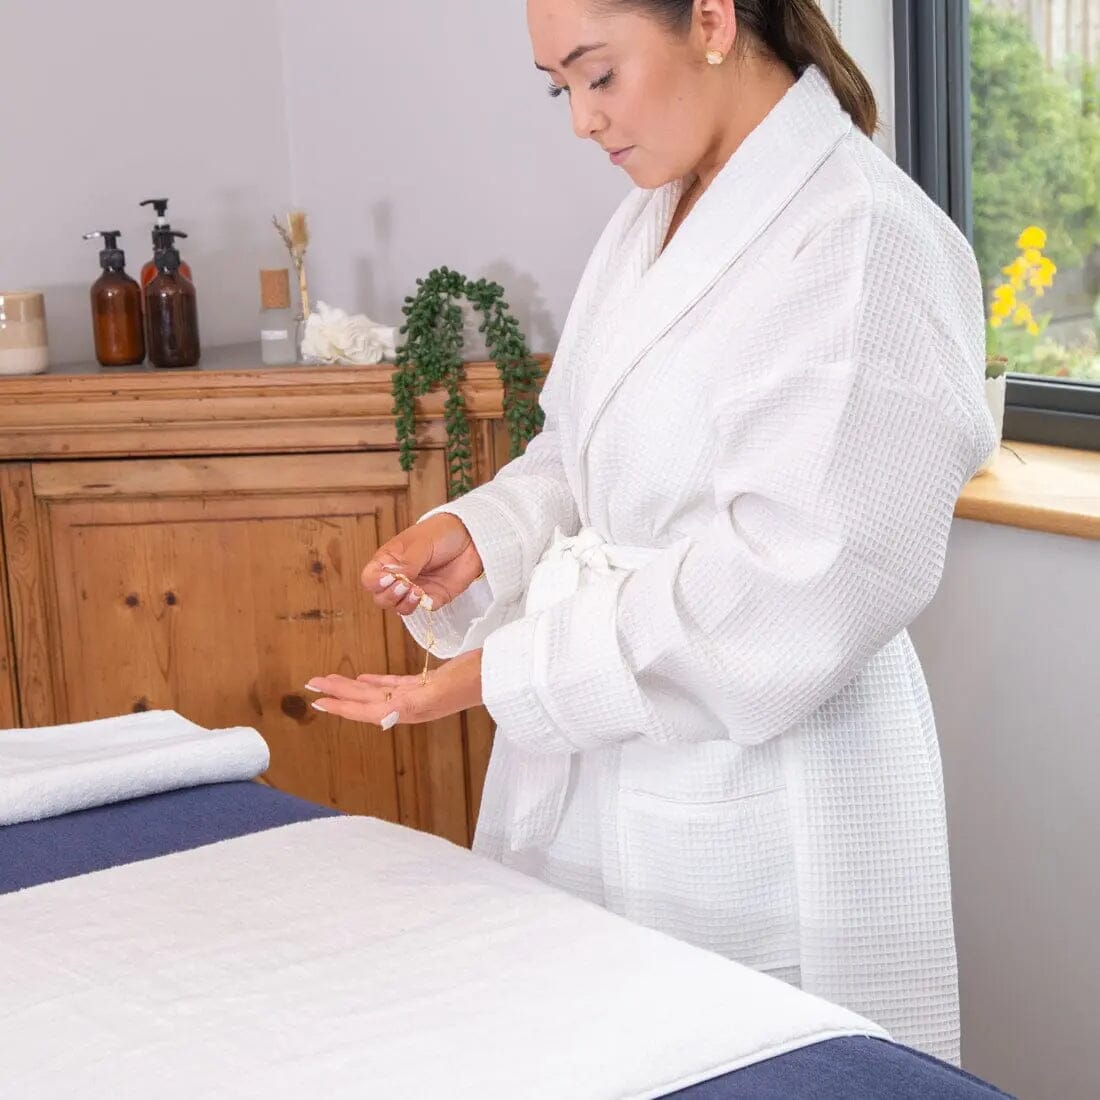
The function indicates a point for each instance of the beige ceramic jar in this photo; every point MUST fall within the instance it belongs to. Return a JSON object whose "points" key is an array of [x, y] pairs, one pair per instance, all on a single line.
{"points": [[23, 344]]}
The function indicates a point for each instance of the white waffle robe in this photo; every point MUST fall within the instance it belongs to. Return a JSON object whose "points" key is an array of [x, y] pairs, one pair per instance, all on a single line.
{"points": [[710, 717]]}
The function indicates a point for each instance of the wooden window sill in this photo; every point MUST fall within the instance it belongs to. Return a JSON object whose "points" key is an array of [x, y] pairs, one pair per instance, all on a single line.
{"points": [[1052, 489]]}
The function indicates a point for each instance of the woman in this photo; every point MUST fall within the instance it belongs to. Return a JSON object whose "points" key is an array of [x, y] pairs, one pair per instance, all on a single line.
{"points": [[691, 626]]}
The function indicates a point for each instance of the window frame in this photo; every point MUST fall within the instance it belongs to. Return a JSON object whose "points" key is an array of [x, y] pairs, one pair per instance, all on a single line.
{"points": [[932, 134]]}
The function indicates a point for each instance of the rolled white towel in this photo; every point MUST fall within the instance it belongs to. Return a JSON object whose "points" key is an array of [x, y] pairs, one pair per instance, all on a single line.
{"points": [[54, 770]]}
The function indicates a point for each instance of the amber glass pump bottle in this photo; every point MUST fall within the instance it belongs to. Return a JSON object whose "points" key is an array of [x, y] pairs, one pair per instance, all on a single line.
{"points": [[171, 312], [116, 307]]}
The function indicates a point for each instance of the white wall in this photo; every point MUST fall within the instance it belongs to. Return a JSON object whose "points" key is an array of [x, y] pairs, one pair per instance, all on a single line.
{"points": [[422, 136], [105, 105], [1010, 648], [866, 28]]}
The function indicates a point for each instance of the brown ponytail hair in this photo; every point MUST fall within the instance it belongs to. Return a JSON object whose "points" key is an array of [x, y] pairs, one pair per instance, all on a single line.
{"points": [[798, 34]]}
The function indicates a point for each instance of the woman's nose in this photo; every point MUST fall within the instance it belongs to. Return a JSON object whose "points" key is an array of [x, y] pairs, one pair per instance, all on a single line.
{"points": [[587, 123]]}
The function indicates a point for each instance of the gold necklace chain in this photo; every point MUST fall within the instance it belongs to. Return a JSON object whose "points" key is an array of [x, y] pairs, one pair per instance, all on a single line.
{"points": [[429, 640]]}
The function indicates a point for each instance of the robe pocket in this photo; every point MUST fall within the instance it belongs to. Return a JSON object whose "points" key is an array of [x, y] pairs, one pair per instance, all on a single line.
{"points": [[707, 771], [710, 860]]}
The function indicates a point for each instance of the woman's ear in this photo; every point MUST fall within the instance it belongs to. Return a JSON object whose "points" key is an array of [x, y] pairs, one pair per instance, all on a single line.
{"points": [[716, 23]]}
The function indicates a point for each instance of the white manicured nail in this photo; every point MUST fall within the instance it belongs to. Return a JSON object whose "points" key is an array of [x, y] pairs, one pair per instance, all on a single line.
{"points": [[317, 690], [386, 581], [390, 720], [317, 707], [427, 603], [399, 590]]}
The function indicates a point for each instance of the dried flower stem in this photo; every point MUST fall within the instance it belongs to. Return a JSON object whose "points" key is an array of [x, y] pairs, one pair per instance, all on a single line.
{"points": [[296, 238]]}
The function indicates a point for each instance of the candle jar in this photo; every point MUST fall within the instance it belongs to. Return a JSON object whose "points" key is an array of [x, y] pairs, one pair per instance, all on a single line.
{"points": [[24, 348]]}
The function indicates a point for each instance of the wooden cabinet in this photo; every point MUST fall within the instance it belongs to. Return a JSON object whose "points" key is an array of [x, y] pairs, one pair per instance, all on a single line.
{"points": [[149, 563]]}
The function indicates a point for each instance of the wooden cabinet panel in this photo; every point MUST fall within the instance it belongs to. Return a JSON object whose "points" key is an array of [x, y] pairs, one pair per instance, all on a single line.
{"points": [[27, 596], [9, 690], [217, 587]]}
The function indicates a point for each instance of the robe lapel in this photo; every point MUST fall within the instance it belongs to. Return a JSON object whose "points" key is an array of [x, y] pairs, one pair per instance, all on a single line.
{"points": [[759, 180]]}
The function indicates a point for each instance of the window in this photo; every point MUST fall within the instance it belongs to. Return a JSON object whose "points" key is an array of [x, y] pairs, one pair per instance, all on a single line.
{"points": [[999, 120]]}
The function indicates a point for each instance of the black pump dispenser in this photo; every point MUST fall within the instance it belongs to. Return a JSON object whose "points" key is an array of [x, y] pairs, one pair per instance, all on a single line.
{"points": [[112, 258]]}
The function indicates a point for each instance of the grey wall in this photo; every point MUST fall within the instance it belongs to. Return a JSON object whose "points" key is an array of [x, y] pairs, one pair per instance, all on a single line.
{"points": [[106, 104], [1010, 647], [866, 28], [421, 135]]}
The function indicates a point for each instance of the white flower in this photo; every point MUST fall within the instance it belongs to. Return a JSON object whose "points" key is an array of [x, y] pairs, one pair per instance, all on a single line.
{"points": [[331, 336]]}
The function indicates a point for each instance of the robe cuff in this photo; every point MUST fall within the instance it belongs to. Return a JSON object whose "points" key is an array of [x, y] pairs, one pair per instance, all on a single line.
{"points": [[454, 624], [509, 695], [496, 537], [557, 681]]}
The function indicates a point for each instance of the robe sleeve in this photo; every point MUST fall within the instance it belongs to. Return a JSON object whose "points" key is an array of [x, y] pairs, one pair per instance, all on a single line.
{"points": [[511, 520], [856, 417]]}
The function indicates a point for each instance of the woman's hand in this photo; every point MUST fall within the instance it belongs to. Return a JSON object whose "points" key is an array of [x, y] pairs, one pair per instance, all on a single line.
{"points": [[386, 700], [435, 559]]}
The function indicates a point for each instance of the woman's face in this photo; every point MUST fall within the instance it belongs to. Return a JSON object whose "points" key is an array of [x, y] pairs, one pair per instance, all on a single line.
{"points": [[640, 90]]}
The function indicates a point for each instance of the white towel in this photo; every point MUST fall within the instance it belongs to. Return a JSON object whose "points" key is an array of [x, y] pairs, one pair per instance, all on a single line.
{"points": [[54, 770], [347, 958]]}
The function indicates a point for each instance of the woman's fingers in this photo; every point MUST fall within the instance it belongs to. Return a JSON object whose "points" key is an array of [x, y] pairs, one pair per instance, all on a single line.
{"points": [[374, 699], [392, 574], [362, 688], [371, 713], [387, 680], [395, 590], [385, 700], [380, 700]]}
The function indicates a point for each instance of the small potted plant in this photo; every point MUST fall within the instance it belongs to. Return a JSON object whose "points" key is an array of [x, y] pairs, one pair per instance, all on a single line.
{"points": [[431, 356], [1012, 329]]}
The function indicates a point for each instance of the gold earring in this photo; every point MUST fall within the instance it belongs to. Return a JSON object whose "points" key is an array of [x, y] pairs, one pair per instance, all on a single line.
{"points": [[715, 57]]}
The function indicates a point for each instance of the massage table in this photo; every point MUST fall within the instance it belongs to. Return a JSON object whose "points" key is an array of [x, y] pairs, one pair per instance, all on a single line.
{"points": [[136, 837]]}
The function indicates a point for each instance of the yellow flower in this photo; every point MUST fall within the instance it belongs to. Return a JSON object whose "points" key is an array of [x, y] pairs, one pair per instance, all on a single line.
{"points": [[1001, 308], [1032, 237], [1032, 257], [1022, 316], [1033, 329], [996, 322], [1004, 293]]}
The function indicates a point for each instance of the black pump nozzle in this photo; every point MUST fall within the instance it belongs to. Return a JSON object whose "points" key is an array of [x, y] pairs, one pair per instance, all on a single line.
{"points": [[164, 237], [112, 256], [167, 257], [160, 206]]}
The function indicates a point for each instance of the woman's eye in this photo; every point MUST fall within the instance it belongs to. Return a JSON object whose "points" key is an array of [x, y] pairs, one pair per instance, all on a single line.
{"points": [[556, 90]]}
